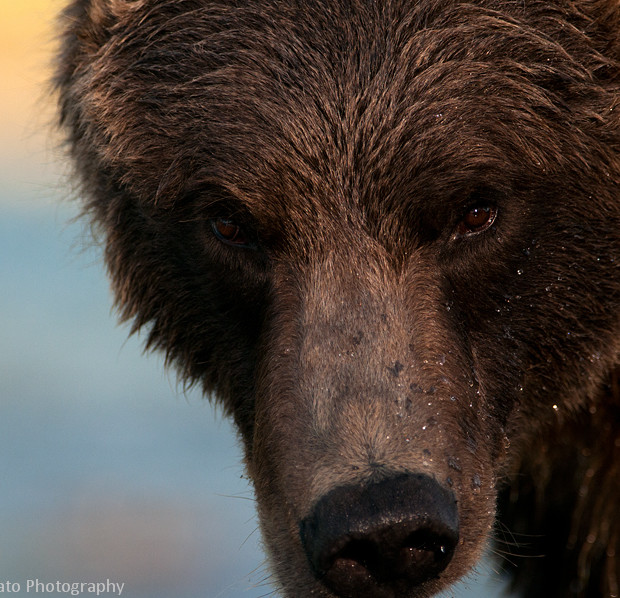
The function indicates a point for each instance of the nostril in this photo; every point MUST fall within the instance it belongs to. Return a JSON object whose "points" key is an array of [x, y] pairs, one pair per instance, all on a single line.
{"points": [[383, 539], [364, 553], [352, 568], [426, 551], [387, 554]]}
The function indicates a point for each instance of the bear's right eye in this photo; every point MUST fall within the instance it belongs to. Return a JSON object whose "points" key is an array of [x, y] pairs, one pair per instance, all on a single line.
{"points": [[230, 233], [477, 219]]}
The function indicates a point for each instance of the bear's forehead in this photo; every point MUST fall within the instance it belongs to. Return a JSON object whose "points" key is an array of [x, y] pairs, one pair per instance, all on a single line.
{"points": [[266, 100]]}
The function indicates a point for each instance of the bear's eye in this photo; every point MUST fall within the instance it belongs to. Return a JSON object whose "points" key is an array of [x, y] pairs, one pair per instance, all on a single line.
{"points": [[476, 220], [229, 232]]}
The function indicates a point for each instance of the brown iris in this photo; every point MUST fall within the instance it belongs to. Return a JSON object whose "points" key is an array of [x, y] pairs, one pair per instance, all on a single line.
{"points": [[476, 220], [229, 232]]}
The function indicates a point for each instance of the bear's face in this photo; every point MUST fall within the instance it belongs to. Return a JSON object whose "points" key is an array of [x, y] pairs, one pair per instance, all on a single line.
{"points": [[373, 240]]}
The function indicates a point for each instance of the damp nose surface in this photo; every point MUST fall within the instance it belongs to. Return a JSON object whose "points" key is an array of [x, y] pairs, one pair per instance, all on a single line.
{"points": [[383, 539]]}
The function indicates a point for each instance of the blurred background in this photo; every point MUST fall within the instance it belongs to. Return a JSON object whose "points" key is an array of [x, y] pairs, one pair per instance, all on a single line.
{"points": [[107, 469]]}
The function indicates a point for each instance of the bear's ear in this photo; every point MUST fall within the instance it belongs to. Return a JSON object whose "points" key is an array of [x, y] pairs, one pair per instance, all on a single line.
{"points": [[104, 14], [92, 22], [85, 27]]}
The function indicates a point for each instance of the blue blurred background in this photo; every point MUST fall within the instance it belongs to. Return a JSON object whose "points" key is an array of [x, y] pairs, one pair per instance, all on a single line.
{"points": [[107, 469]]}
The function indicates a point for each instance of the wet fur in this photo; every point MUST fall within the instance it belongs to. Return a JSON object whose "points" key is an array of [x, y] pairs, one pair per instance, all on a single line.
{"points": [[360, 337]]}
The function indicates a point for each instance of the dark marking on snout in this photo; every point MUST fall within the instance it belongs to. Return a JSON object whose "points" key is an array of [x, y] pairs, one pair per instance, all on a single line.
{"points": [[396, 369], [357, 338], [381, 539]]}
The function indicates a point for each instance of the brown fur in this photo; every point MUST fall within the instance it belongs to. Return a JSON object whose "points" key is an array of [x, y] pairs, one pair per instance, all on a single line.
{"points": [[359, 336]]}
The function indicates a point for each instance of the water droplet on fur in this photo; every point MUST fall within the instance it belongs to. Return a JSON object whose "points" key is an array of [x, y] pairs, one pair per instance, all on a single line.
{"points": [[453, 398], [454, 464], [441, 360], [520, 271], [555, 407]]}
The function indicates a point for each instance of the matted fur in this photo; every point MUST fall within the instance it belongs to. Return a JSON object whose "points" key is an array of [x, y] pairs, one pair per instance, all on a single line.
{"points": [[359, 334]]}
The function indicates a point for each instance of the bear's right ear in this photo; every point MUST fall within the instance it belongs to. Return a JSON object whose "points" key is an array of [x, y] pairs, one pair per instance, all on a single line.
{"points": [[104, 14], [85, 28], [91, 22]]}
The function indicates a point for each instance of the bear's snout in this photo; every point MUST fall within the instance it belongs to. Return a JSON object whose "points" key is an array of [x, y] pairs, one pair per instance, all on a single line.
{"points": [[381, 539]]}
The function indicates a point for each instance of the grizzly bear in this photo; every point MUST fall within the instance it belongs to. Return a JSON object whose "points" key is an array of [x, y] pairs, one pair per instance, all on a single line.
{"points": [[385, 234]]}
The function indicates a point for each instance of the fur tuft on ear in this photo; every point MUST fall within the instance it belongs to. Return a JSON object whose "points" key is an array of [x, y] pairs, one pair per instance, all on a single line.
{"points": [[88, 24], [105, 13]]}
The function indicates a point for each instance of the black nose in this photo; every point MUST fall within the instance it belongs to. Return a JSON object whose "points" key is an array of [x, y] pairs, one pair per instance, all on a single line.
{"points": [[381, 540]]}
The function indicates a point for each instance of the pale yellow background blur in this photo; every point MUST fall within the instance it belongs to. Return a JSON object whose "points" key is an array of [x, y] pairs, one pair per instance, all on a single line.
{"points": [[28, 148]]}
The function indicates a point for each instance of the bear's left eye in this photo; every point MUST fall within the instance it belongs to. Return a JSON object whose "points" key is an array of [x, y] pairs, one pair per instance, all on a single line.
{"points": [[476, 220], [230, 233]]}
